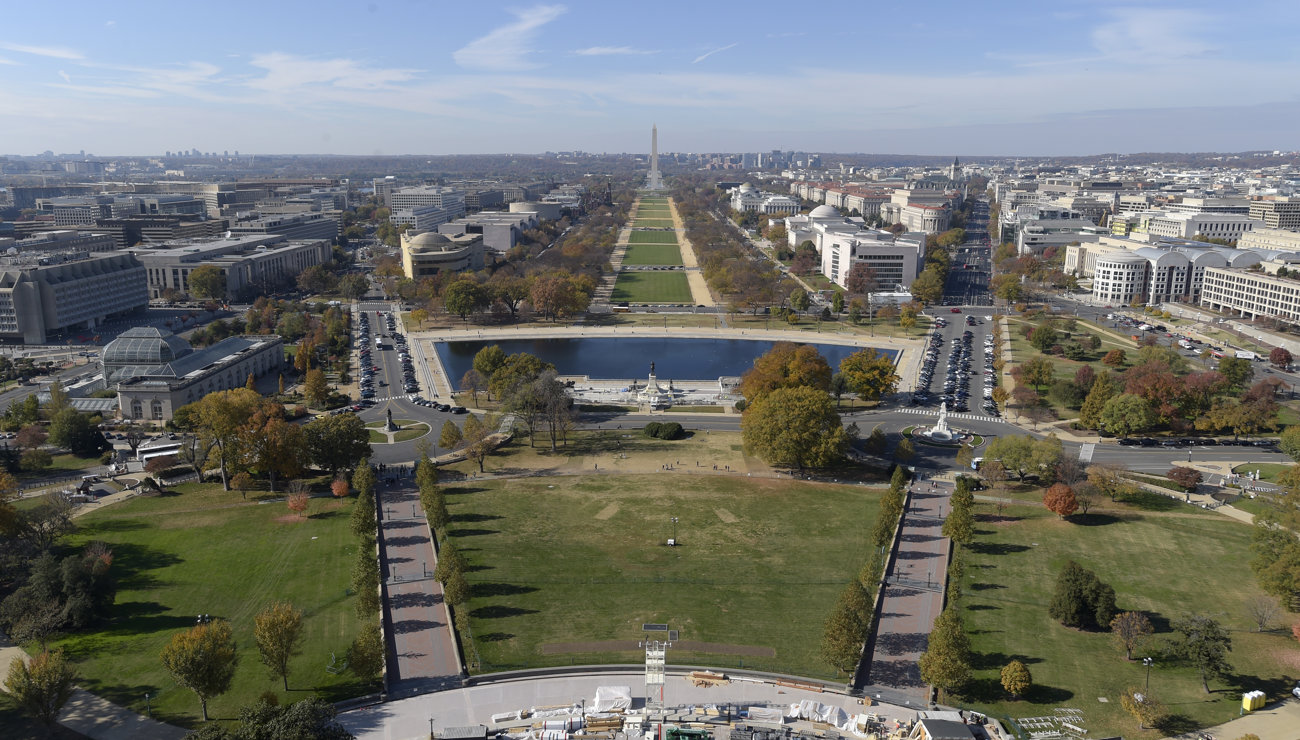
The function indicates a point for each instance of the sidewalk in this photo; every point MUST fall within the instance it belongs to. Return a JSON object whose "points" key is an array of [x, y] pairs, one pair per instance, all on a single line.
{"points": [[94, 717]]}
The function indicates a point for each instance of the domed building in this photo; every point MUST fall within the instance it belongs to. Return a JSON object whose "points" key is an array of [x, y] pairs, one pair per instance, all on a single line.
{"points": [[825, 212], [141, 347], [428, 253]]}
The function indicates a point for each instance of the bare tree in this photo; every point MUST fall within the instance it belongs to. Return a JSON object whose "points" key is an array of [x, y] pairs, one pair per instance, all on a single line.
{"points": [[194, 452], [1263, 610]]}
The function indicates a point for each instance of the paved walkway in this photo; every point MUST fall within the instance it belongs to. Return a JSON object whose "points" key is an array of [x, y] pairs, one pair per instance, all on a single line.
{"points": [[421, 648], [913, 594], [700, 293], [95, 717]]}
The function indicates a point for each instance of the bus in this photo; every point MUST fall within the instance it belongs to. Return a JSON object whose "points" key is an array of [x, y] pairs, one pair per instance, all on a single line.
{"points": [[145, 454]]}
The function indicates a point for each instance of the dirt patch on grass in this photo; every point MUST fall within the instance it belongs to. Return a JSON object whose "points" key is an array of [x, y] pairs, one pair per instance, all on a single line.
{"points": [[607, 512], [607, 646], [290, 519], [726, 516]]}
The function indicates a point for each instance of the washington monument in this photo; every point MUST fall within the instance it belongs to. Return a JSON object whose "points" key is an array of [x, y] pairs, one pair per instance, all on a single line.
{"points": [[654, 181]]}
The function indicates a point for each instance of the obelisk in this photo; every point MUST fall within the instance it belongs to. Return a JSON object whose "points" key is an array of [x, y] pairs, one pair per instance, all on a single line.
{"points": [[654, 181]]}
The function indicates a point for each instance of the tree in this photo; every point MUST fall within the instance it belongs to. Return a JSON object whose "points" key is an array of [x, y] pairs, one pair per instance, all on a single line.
{"points": [[1263, 610], [59, 400], [1129, 631], [30, 437], [795, 427], [220, 418], [42, 687], [473, 382], [336, 442], [1114, 358], [786, 365], [298, 502], [488, 360], [315, 388], [463, 297], [837, 302], [846, 628], [456, 589], [339, 487], [1238, 371], [1125, 414], [1205, 644], [435, 509], [72, 429], [278, 633], [869, 374], [516, 371], [35, 460], [207, 281], [1059, 499], [203, 660], [273, 446], [1280, 356], [366, 654], [945, 663], [477, 440], [1081, 600], [905, 450], [1016, 678], [799, 300], [242, 482], [364, 479], [1144, 707], [1188, 478], [194, 453], [1037, 372], [861, 279], [450, 436], [426, 473]]}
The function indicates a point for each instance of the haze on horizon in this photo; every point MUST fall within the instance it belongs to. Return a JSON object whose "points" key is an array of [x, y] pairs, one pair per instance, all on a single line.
{"points": [[1015, 78]]}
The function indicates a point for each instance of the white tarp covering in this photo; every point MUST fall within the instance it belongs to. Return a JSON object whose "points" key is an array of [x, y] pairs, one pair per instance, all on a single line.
{"points": [[815, 711], [612, 698], [561, 712], [508, 716], [766, 714]]}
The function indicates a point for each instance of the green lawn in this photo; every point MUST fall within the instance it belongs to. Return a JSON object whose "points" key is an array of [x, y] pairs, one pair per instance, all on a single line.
{"points": [[1166, 562], [653, 254], [1267, 471], [203, 551], [652, 287], [652, 223], [577, 559], [652, 237]]}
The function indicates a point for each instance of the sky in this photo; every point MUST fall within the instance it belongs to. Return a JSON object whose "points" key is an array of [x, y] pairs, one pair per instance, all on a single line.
{"points": [[441, 77]]}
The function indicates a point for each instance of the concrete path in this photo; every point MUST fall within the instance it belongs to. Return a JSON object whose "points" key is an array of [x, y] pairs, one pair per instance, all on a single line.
{"points": [[421, 649], [93, 716], [913, 595], [1279, 721], [700, 292]]}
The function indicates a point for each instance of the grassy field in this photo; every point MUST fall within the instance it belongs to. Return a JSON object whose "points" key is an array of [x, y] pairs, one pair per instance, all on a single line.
{"points": [[1267, 471], [653, 254], [1064, 369], [203, 551], [1167, 560], [579, 559], [652, 223], [653, 237], [652, 287]]}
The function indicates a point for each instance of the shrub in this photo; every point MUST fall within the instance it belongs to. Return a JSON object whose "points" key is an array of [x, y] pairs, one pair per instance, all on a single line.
{"points": [[663, 430]]}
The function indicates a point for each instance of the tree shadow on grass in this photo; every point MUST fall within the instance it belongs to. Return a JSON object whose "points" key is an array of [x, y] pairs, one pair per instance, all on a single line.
{"points": [[321, 516], [1150, 501], [996, 518], [1039, 694], [114, 525], [997, 548], [982, 661], [477, 568], [471, 532], [986, 586], [475, 517], [982, 607], [482, 590], [500, 611], [495, 637], [1177, 724], [462, 490], [1093, 519], [134, 563]]}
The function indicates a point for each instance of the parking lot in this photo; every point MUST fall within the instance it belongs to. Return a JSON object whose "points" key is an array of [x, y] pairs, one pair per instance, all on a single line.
{"points": [[387, 369], [959, 349]]}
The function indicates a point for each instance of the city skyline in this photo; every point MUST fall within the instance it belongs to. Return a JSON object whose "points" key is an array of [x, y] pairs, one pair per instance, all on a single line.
{"points": [[1080, 78]]}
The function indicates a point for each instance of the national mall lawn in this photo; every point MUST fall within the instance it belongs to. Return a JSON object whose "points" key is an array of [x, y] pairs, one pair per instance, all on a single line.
{"points": [[1162, 557], [199, 550]]}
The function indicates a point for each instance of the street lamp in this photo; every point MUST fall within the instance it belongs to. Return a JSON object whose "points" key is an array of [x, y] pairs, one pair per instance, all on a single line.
{"points": [[1147, 662], [674, 521]]}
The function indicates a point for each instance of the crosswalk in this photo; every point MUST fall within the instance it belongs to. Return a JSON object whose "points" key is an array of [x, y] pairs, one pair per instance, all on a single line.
{"points": [[1085, 452], [951, 415]]}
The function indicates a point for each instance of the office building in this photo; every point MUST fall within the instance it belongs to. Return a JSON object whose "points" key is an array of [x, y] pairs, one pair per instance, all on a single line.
{"points": [[500, 231], [844, 242], [1277, 213], [424, 218], [61, 240], [251, 263], [408, 198], [1255, 294], [1124, 270], [324, 225], [1265, 238], [1228, 226], [44, 295]]}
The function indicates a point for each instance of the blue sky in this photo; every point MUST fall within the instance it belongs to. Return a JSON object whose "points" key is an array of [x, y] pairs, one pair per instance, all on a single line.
{"points": [[442, 77]]}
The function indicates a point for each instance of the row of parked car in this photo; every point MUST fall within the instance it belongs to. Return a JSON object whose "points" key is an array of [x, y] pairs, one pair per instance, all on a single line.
{"points": [[1267, 444], [439, 406]]}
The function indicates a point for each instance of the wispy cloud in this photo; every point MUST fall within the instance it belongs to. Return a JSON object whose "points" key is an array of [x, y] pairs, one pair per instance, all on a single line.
{"points": [[66, 77], [9, 62], [55, 52], [508, 48], [1154, 34], [607, 51], [285, 72], [708, 54]]}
